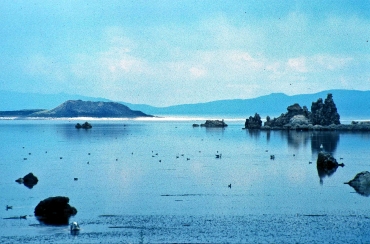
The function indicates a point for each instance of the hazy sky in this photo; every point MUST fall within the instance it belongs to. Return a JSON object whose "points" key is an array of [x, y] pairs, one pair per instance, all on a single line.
{"points": [[169, 52]]}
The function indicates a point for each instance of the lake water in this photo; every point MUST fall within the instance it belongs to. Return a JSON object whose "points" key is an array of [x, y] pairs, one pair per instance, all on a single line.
{"points": [[159, 181]]}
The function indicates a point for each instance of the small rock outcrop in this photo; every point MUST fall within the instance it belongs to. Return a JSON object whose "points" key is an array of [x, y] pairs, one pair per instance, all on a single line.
{"points": [[253, 122], [214, 123], [323, 116], [325, 113], [55, 211], [285, 119], [85, 125], [361, 183], [28, 180]]}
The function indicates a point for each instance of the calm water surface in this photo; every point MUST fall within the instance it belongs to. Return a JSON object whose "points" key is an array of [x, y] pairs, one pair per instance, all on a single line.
{"points": [[159, 181]]}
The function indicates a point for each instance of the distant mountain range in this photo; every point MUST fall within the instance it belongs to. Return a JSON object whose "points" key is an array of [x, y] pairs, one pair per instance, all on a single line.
{"points": [[79, 108], [350, 104]]}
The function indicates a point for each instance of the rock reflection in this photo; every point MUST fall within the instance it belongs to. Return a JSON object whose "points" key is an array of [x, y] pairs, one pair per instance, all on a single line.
{"points": [[101, 131], [328, 139], [254, 133], [297, 139]]}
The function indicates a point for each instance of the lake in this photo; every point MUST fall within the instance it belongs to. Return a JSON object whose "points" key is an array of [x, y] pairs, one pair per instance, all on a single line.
{"points": [[159, 181]]}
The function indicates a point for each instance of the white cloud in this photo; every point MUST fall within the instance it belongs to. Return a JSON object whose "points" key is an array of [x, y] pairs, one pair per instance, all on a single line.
{"points": [[196, 72], [297, 64]]}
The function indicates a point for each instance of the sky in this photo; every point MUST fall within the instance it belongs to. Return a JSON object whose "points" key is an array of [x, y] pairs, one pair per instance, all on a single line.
{"points": [[169, 52]]}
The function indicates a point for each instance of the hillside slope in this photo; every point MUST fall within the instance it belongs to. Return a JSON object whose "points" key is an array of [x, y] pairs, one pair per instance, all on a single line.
{"points": [[79, 108]]}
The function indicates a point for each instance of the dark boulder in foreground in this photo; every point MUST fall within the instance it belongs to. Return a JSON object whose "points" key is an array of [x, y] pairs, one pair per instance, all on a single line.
{"points": [[327, 161], [85, 125], [28, 180], [326, 165], [214, 123], [55, 211], [361, 183]]}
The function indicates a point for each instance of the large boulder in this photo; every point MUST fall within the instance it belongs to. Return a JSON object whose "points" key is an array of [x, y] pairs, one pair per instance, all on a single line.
{"points": [[253, 122], [299, 120], [327, 161], [361, 183], [55, 211], [326, 165], [28, 180], [214, 123]]}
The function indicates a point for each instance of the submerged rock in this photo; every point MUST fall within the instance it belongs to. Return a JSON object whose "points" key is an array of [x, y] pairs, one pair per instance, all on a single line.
{"points": [[361, 183], [55, 211], [214, 123], [28, 180]]}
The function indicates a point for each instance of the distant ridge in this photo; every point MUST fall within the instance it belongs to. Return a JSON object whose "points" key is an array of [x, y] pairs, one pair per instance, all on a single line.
{"points": [[79, 108], [350, 104]]}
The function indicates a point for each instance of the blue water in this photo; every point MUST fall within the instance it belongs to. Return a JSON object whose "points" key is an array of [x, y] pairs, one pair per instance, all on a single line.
{"points": [[159, 181]]}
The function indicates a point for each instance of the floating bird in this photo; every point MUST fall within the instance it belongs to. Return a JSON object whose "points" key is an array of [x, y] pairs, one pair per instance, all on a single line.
{"points": [[310, 162], [61, 157], [188, 159], [272, 157], [8, 207], [229, 186], [218, 155], [75, 226], [75, 178]]}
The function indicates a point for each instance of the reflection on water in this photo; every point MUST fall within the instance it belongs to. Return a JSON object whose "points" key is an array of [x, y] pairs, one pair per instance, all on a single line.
{"points": [[325, 172], [329, 140], [297, 139]]}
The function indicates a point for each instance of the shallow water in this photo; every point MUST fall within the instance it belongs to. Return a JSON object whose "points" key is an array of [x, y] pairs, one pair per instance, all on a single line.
{"points": [[159, 181]]}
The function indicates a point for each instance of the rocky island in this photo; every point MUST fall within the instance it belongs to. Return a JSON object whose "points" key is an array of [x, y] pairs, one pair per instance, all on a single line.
{"points": [[323, 116], [214, 123], [79, 108]]}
